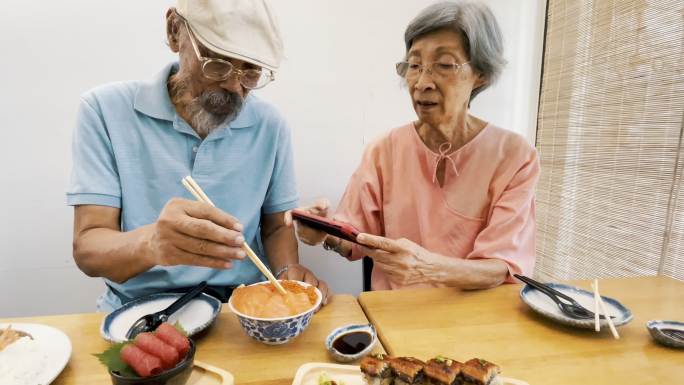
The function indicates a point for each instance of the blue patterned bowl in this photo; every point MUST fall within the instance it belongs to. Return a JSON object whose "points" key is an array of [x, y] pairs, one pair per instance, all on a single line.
{"points": [[276, 331], [654, 327], [341, 357]]}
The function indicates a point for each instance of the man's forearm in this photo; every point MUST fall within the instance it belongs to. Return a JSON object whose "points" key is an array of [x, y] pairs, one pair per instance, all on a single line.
{"points": [[339, 245], [117, 256], [281, 248]]}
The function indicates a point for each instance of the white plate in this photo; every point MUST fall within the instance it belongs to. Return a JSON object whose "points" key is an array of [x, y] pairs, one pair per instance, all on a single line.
{"points": [[194, 317], [308, 374], [51, 354], [544, 305]]}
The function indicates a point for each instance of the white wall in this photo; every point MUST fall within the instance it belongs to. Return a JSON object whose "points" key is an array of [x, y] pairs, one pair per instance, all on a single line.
{"points": [[337, 88]]}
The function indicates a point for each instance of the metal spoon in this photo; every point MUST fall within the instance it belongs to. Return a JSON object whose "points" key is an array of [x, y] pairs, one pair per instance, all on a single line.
{"points": [[150, 322]]}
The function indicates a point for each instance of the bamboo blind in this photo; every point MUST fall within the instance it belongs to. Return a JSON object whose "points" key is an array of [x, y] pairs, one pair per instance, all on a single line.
{"points": [[611, 117]]}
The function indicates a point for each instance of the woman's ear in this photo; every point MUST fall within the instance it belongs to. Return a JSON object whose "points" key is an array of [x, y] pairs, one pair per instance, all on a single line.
{"points": [[172, 30], [480, 81]]}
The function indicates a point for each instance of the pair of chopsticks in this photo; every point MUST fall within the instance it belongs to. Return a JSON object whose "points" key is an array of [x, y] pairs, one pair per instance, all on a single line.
{"points": [[598, 303], [199, 194]]}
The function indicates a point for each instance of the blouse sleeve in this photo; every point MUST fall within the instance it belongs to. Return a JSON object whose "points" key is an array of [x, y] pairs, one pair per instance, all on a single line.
{"points": [[361, 204], [510, 231]]}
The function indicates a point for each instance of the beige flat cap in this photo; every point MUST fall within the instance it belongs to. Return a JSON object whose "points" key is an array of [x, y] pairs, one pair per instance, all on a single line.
{"points": [[242, 29]]}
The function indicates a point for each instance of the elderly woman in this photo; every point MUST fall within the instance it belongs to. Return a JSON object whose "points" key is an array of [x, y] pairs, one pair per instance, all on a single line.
{"points": [[447, 200]]}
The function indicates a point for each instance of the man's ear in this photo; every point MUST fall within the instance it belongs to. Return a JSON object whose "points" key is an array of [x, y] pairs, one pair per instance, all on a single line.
{"points": [[173, 30]]}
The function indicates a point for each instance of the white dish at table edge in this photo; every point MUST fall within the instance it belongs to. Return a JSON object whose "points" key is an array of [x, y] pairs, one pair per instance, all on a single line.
{"points": [[654, 327], [50, 341]]}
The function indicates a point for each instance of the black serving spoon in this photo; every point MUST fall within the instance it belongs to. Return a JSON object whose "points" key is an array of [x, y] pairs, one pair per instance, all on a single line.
{"points": [[150, 322]]}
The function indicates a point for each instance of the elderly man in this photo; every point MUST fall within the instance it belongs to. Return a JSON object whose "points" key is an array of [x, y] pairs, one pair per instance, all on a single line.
{"points": [[134, 224]]}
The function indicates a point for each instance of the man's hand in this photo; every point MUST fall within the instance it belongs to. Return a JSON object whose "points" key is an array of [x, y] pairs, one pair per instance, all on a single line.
{"points": [[194, 233], [297, 272], [306, 234]]}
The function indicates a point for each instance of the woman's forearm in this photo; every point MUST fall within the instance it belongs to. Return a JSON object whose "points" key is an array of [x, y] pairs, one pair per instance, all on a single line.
{"points": [[468, 273]]}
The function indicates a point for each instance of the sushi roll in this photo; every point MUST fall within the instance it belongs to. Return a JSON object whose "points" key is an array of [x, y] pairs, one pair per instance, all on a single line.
{"points": [[443, 371], [376, 370], [480, 372], [407, 371]]}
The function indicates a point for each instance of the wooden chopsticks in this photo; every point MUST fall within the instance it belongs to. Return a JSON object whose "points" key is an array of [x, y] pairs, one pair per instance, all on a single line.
{"points": [[598, 303], [597, 322], [199, 194]]}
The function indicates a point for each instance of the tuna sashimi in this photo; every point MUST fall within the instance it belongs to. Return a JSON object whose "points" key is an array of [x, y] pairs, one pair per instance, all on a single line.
{"points": [[142, 363], [169, 334], [155, 346]]}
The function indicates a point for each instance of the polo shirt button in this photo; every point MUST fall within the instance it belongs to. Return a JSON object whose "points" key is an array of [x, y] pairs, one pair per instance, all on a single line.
{"points": [[195, 148]]}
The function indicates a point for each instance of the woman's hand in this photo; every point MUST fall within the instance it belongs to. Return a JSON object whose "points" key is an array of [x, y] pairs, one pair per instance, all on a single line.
{"points": [[297, 272], [404, 262], [306, 234]]}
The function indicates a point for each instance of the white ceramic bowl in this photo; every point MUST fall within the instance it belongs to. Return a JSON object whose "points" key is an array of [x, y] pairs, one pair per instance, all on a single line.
{"points": [[276, 331]]}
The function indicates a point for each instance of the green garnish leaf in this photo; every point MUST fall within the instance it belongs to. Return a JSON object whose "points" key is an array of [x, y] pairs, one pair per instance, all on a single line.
{"points": [[179, 327], [440, 359], [111, 358], [324, 379]]}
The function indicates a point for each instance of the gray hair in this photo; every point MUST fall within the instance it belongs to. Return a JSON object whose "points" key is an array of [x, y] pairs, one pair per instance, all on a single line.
{"points": [[480, 32]]}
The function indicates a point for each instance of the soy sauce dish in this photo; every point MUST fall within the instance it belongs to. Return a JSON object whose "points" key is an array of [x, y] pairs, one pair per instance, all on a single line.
{"points": [[351, 342]]}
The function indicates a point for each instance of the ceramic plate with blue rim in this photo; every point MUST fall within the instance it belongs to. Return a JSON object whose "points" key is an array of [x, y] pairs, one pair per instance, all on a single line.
{"points": [[654, 328], [542, 304], [194, 317]]}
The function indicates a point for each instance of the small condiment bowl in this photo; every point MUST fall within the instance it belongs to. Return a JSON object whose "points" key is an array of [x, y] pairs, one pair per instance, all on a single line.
{"points": [[276, 331], [178, 375], [654, 328], [342, 357]]}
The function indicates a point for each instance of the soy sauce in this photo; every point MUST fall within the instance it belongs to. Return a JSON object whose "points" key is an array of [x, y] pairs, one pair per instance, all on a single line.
{"points": [[352, 343]]}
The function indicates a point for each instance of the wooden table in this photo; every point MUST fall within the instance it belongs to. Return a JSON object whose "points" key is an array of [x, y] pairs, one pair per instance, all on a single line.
{"points": [[496, 325], [224, 345]]}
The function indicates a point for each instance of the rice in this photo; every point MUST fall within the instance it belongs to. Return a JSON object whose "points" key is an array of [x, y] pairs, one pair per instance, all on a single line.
{"points": [[22, 362]]}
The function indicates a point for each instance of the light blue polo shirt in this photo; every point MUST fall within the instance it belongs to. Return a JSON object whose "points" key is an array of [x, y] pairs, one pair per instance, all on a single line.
{"points": [[131, 150]]}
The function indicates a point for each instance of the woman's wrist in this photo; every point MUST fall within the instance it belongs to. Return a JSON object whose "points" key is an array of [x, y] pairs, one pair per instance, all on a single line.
{"points": [[437, 269], [475, 273]]}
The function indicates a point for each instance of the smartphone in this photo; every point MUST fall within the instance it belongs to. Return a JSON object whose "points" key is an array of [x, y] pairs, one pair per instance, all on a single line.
{"points": [[338, 229]]}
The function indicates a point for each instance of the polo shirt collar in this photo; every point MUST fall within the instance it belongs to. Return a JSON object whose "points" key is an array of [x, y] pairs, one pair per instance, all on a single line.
{"points": [[152, 99]]}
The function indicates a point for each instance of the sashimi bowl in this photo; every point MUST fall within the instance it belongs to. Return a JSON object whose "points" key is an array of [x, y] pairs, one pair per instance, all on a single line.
{"points": [[251, 305], [178, 375]]}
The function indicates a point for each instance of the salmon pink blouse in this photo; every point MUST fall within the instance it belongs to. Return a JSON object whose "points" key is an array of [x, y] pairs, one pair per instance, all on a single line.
{"points": [[484, 210]]}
